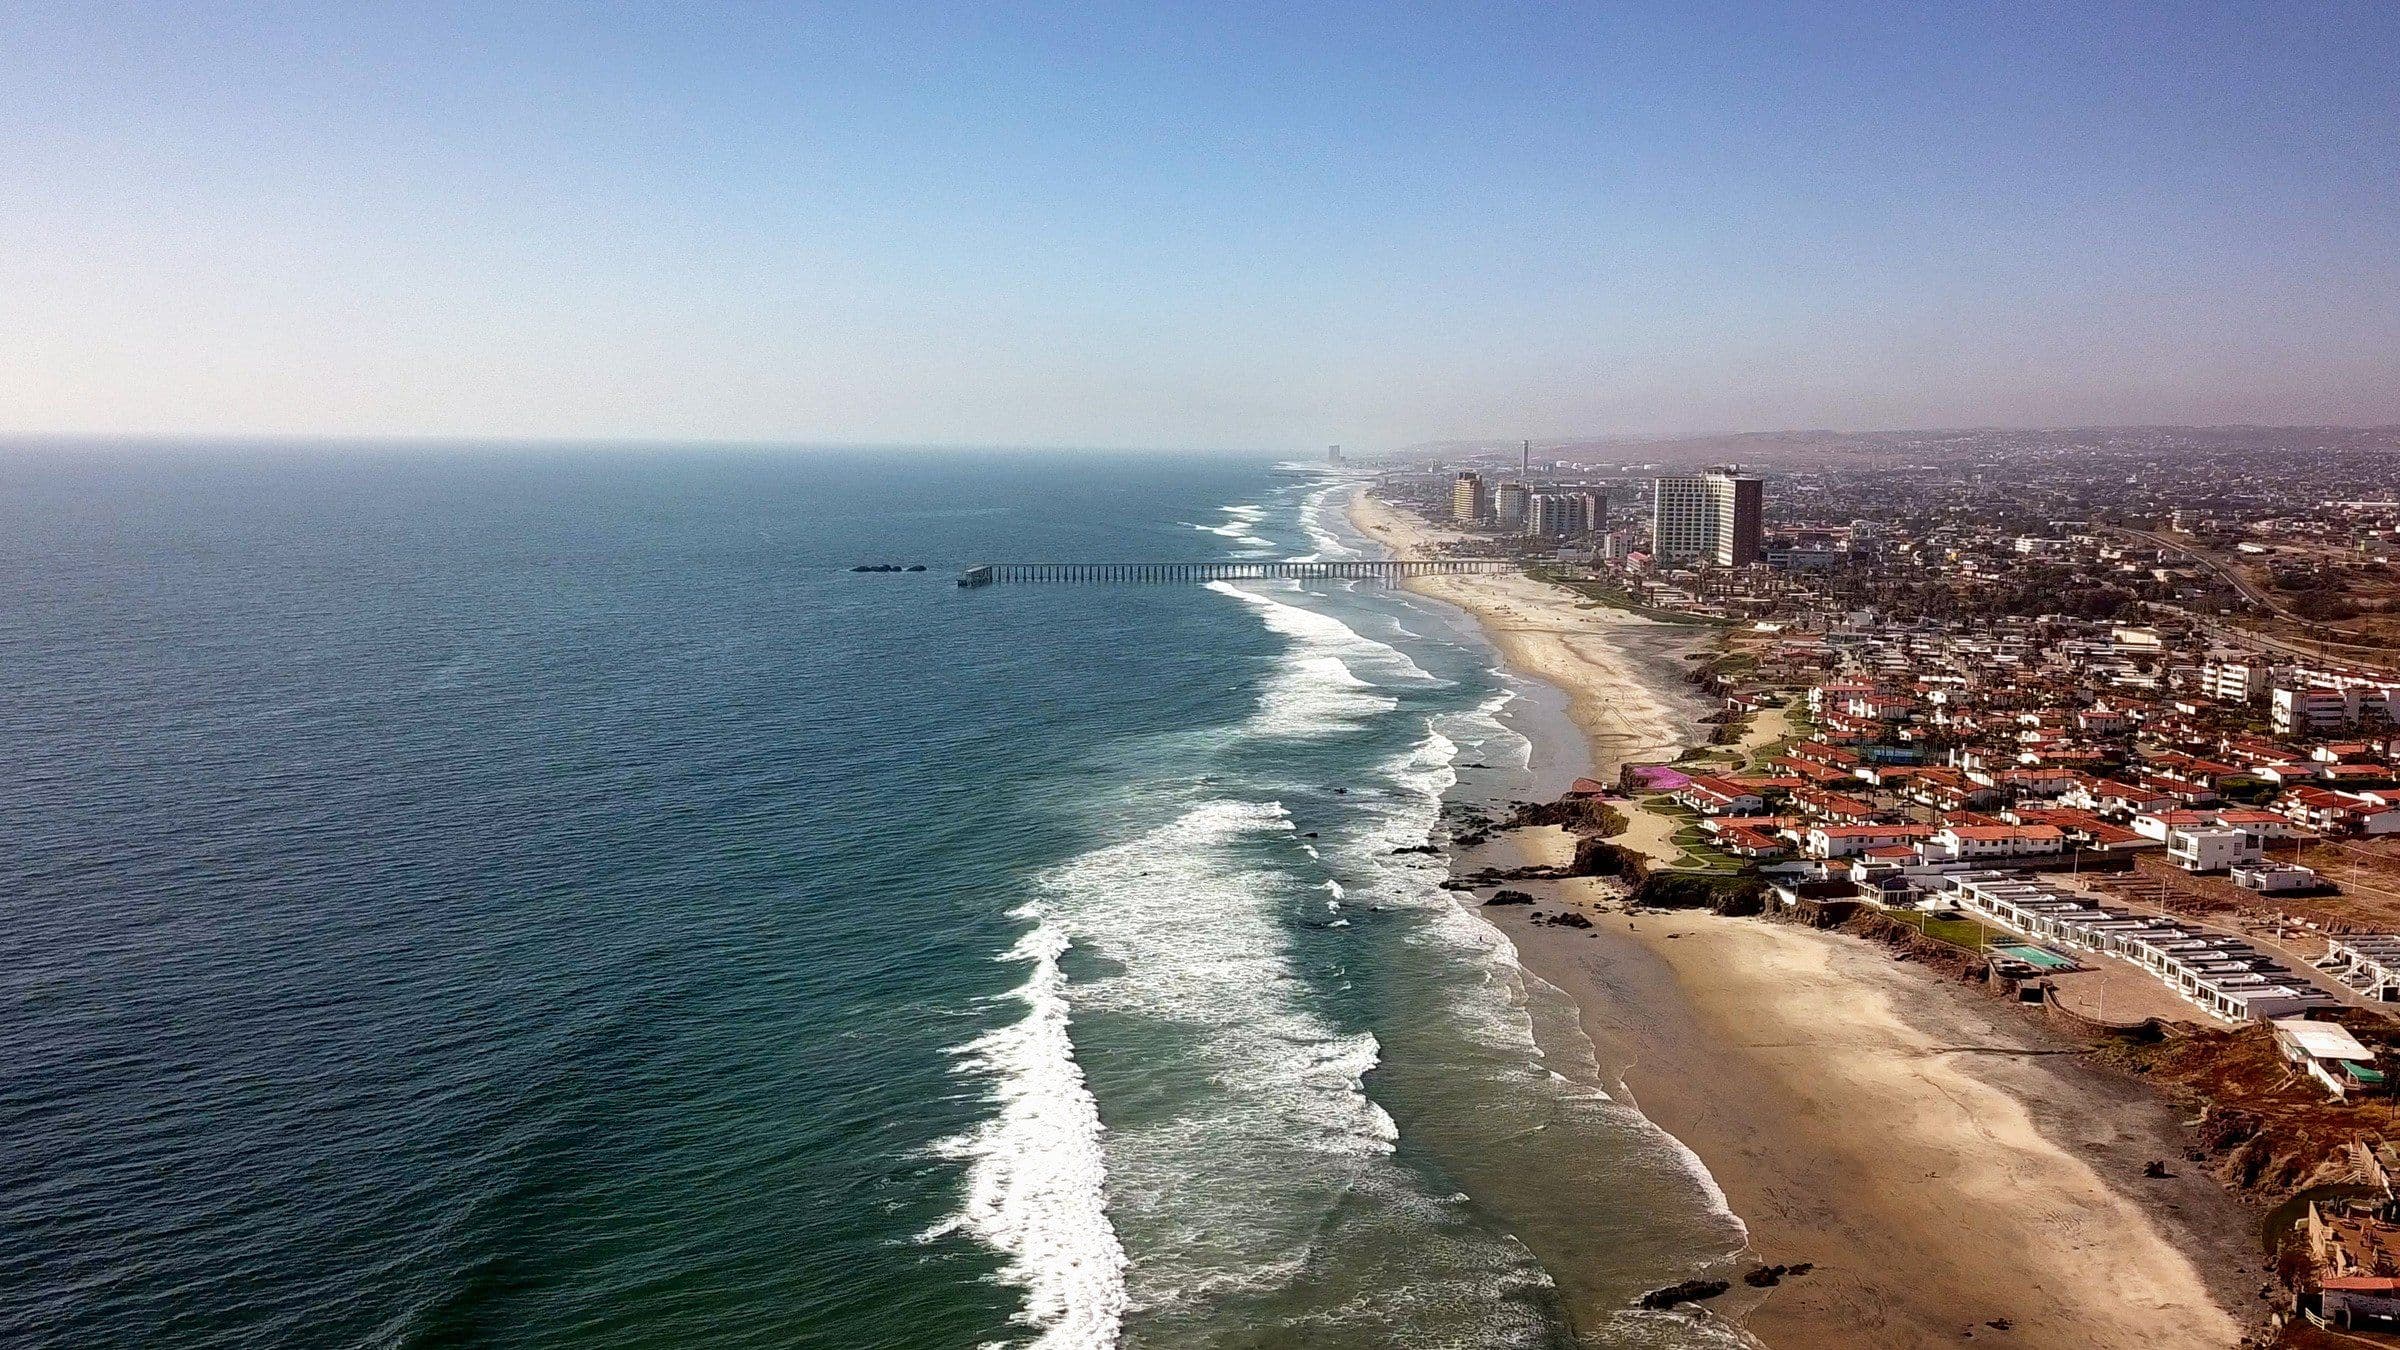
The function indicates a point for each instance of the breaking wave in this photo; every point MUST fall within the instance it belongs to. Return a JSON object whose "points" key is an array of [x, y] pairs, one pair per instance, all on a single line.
{"points": [[1036, 1173]]}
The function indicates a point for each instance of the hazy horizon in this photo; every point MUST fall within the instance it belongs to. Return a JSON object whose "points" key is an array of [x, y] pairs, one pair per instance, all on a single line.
{"points": [[1221, 228], [17, 441]]}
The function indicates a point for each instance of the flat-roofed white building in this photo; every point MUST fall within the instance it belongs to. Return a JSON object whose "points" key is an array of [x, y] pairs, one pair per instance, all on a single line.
{"points": [[2213, 848], [2224, 975], [2329, 1053]]}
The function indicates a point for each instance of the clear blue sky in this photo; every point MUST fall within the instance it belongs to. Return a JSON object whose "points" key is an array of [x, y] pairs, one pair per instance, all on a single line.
{"points": [[1196, 225]]}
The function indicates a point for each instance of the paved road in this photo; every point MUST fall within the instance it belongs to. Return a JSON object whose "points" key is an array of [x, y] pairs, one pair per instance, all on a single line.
{"points": [[2249, 590]]}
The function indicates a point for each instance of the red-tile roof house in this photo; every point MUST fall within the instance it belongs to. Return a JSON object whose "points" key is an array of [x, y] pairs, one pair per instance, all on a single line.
{"points": [[2101, 794], [1838, 807], [2252, 750], [1842, 841], [2334, 752], [2180, 790], [1835, 692], [2160, 823], [2258, 821], [1885, 775], [2034, 782], [1958, 843], [1832, 756], [2340, 812], [1719, 796], [2086, 829], [1818, 774], [1749, 843], [2102, 721], [1950, 790]]}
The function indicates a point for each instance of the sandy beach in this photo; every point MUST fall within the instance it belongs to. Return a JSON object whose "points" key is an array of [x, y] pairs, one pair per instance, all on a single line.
{"points": [[1952, 1170]]}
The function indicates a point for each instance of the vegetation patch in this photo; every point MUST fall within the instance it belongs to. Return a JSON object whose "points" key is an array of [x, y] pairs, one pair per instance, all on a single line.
{"points": [[1677, 888]]}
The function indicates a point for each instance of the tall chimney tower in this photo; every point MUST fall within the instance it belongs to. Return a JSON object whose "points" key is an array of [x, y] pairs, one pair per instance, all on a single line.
{"points": [[1525, 462]]}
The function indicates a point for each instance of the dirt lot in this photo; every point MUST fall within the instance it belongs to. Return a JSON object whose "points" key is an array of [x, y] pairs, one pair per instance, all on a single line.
{"points": [[2366, 871]]}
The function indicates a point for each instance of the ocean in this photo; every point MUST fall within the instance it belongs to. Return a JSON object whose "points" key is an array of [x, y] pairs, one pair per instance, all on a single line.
{"points": [[541, 897]]}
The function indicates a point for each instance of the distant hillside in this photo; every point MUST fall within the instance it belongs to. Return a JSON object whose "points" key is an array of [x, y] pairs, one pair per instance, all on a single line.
{"points": [[1768, 449]]}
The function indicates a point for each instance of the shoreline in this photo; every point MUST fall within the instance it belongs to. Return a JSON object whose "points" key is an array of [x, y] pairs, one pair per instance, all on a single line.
{"points": [[1950, 1169]]}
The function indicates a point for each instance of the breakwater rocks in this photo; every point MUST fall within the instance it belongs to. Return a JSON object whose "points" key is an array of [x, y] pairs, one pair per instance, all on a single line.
{"points": [[888, 567]]}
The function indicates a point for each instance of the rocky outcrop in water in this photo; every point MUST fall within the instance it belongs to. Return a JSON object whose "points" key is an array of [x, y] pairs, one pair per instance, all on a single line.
{"points": [[1687, 1291]]}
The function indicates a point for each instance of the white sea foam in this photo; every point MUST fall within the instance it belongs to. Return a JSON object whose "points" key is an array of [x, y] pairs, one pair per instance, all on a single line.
{"points": [[1315, 632], [1216, 1191], [1500, 1009], [1036, 1171], [1239, 531], [1312, 519], [1247, 1126], [1311, 696], [1316, 691], [1497, 1010]]}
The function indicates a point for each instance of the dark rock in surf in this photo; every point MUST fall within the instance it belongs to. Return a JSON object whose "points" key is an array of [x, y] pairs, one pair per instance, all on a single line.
{"points": [[1686, 1291]]}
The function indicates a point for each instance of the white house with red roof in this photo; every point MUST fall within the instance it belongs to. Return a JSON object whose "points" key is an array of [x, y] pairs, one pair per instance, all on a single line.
{"points": [[1720, 797], [1976, 843], [1844, 841], [2341, 813]]}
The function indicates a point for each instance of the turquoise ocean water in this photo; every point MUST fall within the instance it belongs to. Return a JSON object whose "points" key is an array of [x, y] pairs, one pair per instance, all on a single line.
{"points": [[542, 898]]}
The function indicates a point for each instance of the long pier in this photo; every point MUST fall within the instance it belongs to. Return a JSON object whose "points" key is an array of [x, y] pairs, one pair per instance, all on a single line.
{"points": [[986, 574]]}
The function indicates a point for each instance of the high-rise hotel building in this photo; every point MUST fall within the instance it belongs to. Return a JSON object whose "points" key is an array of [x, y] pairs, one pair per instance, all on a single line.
{"points": [[1508, 505], [1566, 515], [1468, 498], [1715, 516]]}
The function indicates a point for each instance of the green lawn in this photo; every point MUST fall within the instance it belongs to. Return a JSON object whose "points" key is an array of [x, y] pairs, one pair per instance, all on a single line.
{"points": [[1965, 933]]}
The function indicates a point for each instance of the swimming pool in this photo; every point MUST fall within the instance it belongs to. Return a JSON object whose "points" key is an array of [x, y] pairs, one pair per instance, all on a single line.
{"points": [[2031, 955]]}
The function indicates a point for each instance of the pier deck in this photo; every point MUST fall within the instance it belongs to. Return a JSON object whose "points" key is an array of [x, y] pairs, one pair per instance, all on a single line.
{"points": [[1262, 569]]}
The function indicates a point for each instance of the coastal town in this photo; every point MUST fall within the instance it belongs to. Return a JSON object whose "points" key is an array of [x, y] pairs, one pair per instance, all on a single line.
{"points": [[2109, 731]]}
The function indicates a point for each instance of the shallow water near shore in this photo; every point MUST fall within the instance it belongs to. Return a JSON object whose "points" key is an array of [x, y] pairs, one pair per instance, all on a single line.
{"points": [[546, 899]]}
